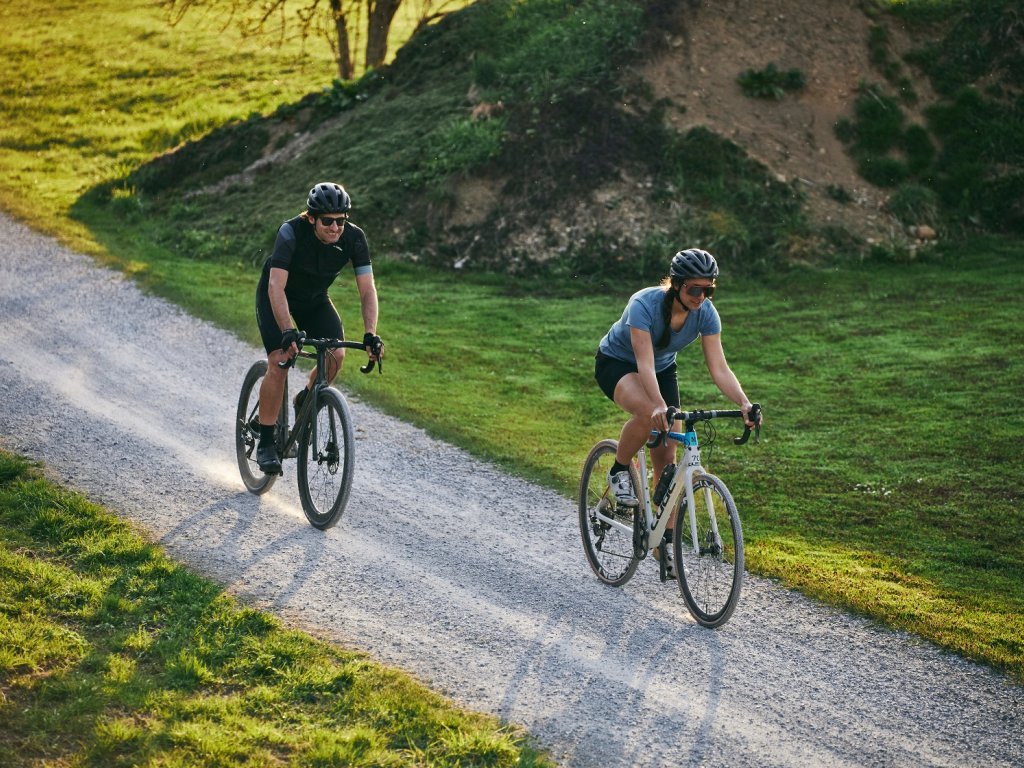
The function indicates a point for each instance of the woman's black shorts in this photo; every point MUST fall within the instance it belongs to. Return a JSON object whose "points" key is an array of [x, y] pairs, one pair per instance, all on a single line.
{"points": [[608, 371]]}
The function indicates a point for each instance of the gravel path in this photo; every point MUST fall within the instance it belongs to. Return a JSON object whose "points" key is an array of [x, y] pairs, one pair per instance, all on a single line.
{"points": [[472, 580]]}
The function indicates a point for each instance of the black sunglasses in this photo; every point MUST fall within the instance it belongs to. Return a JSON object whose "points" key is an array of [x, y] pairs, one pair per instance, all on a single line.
{"points": [[327, 221], [697, 290]]}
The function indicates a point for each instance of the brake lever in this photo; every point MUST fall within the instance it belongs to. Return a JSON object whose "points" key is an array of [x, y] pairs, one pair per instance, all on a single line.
{"points": [[670, 416], [291, 360], [379, 361], [755, 416]]}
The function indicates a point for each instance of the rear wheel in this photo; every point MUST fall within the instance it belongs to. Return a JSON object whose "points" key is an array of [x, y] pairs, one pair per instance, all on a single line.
{"points": [[247, 431], [326, 460], [605, 526], [709, 552]]}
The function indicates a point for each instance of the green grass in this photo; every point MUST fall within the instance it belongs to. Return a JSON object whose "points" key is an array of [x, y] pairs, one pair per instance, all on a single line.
{"points": [[887, 481], [112, 655], [91, 91]]}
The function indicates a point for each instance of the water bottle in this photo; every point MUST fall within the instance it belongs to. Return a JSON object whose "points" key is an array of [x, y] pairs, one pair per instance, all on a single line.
{"points": [[662, 488]]}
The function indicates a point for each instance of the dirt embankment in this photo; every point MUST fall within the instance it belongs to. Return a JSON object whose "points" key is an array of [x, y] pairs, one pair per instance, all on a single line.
{"points": [[710, 46]]}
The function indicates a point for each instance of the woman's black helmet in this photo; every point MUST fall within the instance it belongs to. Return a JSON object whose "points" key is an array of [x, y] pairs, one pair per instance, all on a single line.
{"points": [[694, 262], [326, 197]]}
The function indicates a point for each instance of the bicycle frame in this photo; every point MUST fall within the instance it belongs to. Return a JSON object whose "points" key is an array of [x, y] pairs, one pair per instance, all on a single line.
{"points": [[654, 526], [682, 482], [309, 406]]}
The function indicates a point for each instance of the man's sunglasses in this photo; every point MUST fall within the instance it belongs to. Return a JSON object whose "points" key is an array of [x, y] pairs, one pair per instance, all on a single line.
{"points": [[697, 290], [328, 221]]}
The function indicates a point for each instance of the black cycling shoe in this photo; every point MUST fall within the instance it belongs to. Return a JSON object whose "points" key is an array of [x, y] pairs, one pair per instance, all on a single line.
{"points": [[266, 457]]}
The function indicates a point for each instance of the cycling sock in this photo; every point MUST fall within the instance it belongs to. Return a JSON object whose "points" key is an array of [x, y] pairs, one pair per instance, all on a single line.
{"points": [[267, 433], [616, 468]]}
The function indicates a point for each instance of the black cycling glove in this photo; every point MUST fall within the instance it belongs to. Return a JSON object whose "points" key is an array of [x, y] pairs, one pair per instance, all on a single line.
{"points": [[289, 337], [373, 341]]}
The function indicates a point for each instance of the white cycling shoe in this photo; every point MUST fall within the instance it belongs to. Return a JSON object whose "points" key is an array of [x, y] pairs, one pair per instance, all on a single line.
{"points": [[622, 488]]}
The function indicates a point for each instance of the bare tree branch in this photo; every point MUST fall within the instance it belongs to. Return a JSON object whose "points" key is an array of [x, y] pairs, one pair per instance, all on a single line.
{"points": [[340, 21]]}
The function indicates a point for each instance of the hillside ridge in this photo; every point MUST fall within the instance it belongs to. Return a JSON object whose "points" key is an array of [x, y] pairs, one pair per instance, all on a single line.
{"points": [[694, 69], [793, 136]]}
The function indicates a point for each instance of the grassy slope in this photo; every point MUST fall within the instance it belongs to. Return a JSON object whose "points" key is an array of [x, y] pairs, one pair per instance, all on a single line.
{"points": [[882, 482], [110, 655]]}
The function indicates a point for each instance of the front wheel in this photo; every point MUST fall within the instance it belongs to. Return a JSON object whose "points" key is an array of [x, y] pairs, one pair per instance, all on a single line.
{"points": [[709, 552], [247, 430], [326, 460], [605, 526]]}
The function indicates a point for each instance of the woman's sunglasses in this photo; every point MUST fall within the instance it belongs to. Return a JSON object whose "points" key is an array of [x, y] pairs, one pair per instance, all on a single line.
{"points": [[697, 290]]}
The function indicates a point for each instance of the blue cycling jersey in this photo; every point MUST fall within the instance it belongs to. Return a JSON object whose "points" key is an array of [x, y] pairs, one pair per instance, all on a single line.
{"points": [[643, 311]]}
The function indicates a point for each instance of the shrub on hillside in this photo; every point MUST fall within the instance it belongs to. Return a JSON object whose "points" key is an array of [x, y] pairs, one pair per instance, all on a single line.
{"points": [[914, 204], [771, 82]]}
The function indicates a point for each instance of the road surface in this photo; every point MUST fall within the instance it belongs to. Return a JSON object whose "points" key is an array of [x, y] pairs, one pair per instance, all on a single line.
{"points": [[470, 579]]}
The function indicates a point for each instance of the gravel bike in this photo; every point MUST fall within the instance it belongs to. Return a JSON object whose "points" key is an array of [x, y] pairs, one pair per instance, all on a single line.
{"points": [[707, 537], [321, 438]]}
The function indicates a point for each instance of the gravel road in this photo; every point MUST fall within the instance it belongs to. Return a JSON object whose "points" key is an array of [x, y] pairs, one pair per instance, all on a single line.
{"points": [[469, 578]]}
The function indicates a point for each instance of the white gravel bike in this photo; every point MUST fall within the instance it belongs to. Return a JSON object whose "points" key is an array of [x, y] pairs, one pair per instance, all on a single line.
{"points": [[321, 439], [707, 537]]}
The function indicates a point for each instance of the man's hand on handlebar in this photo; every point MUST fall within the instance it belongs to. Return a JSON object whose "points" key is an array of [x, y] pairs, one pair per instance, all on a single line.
{"points": [[374, 346], [290, 341]]}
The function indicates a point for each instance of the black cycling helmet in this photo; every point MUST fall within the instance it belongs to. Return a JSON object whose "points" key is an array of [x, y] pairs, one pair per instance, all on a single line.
{"points": [[693, 262], [326, 197]]}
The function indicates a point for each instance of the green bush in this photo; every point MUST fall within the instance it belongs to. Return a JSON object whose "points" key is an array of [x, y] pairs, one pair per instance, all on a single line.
{"points": [[914, 203], [918, 148], [839, 193], [464, 143], [985, 40], [882, 170], [770, 82], [879, 121], [981, 158]]}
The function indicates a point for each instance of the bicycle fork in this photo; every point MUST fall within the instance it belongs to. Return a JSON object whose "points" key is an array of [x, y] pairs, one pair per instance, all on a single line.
{"points": [[691, 462]]}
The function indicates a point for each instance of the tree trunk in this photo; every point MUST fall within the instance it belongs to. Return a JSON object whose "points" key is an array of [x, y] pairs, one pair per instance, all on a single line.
{"points": [[379, 19], [345, 66]]}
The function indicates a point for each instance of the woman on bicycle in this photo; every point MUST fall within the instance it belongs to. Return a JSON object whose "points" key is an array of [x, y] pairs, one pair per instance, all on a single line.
{"points": [[310, 252], [636, 360]]}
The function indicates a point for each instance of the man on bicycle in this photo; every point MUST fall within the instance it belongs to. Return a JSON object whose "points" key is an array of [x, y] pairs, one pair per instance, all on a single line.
{"points": [[310, 252]]}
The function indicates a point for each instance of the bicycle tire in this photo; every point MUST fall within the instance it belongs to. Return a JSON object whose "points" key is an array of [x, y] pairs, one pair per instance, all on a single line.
{"points": [[325, 470], [247, 431], [710, 575], [609, 550]]}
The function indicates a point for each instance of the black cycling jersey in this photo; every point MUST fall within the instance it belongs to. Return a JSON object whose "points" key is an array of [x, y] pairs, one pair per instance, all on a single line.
{"points": [[312, 265]]}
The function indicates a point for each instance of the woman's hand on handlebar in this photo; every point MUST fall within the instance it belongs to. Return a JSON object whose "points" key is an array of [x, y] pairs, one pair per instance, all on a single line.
{"points": [[751, 414], [659, 420]]}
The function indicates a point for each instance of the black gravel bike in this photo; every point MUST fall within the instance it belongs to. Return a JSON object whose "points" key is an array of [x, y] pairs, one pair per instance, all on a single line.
{"points": [[707, 536], [321, 439]]}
